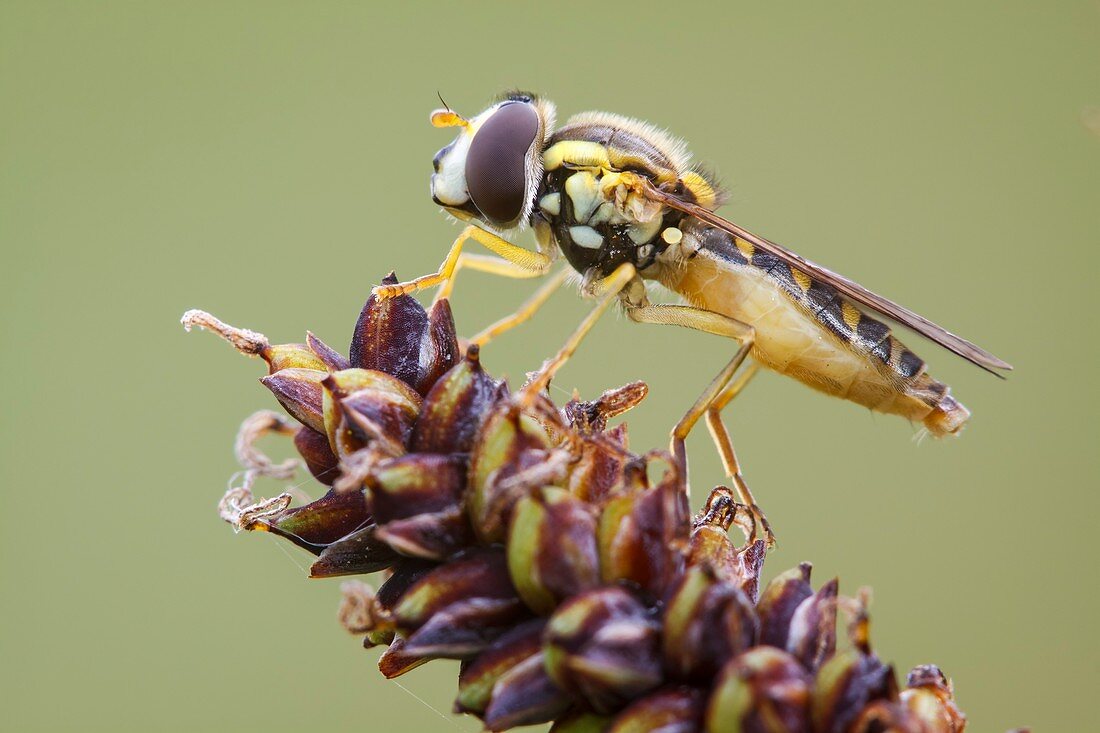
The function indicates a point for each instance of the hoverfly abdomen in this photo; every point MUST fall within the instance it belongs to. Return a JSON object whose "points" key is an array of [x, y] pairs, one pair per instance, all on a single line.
{"points": [[807, 330]]}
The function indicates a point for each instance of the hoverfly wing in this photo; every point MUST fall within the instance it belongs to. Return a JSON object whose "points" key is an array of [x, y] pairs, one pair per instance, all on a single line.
{"points": [[853, 290]]}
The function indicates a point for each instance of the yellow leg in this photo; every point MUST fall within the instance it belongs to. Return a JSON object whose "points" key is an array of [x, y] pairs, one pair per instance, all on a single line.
{"points": [[722, 440], [524, 312], [607, 290], [534, 262], [721, 390], [483, 263]]}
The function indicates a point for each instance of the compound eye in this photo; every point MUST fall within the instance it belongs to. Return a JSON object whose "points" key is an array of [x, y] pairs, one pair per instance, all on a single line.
{"points": [[496, 163]]}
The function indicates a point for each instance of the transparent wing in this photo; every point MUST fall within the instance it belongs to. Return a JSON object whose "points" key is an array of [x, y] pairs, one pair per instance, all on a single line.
{"points": [[853, 290]]}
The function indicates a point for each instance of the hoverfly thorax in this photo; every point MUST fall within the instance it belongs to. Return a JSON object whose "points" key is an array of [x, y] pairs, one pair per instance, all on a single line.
{"points": [[491, 171]]}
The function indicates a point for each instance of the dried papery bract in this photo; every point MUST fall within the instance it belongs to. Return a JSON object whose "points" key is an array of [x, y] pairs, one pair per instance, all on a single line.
{"points": [[562, 569]]}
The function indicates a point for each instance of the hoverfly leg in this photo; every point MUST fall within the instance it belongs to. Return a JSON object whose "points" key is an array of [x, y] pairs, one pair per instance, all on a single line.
{"points": [[524, 312], [724, 443], [535, 262], [607, 290], [718, 393], [487, 264]]}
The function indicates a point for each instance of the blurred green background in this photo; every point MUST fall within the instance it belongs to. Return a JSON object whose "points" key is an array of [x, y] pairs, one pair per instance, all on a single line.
{"points": [[269, 162]]}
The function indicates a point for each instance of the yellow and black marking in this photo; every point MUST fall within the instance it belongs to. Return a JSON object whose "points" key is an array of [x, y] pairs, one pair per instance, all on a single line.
{"points": [[893, 378], [582, 164]]}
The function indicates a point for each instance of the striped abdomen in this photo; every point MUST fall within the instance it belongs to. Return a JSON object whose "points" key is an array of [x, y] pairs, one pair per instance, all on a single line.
{"points": [[807, 330]]}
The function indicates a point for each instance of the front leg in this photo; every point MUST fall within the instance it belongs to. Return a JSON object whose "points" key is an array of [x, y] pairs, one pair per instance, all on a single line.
{"points": [[535, 263]]}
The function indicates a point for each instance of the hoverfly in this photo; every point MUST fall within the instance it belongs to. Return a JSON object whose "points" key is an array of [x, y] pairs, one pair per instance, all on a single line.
{"points": [[621, 201]]}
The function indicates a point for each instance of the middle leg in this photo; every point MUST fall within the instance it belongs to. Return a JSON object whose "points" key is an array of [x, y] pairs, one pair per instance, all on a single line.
{"points": [[721, 390]]}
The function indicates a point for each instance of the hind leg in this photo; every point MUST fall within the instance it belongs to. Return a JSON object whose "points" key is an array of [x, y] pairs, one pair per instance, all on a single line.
{"points": [[724, 443]]}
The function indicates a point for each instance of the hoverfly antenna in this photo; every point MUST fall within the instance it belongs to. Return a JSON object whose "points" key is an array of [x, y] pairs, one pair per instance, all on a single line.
{"points": [[447, 117]]}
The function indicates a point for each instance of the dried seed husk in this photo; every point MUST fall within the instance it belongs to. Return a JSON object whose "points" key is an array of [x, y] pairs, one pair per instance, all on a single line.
{"points": [[671, 710], [406, 572], [396, 660], [552, 548], [457, 609], [299, 392], [465, 628], [320, 523], [707, 622], [777, 604], [845, 685], [475, 683], [640, 535], [357, 553], [292, 356], [525, 695], [332, 359], [317, 455], [441, 352], [764, 690], [812, 638], [416, 484], [581, 721], [602, 647], [363, 407], [431, 535], [454, 407], [510, 458], [398, 337], [389, 334]]}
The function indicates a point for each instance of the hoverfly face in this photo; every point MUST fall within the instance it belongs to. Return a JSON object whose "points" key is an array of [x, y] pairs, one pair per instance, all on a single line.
{"points": [[492, 169]]}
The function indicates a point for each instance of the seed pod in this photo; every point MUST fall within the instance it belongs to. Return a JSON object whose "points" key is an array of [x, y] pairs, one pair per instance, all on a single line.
{"points": [[397, 336], [812, 638], [552, 548], [602, 647], [414, 484], [764, 690], [475, 682], [931, 699], [456, 610], [845, 685], [431, 535], [332, 359], [707, 622], [364, 408], [291, 356], [320, 523], [299, 392], [581, 721], [778, 602], [397, 660], [511, 456], [359, 552], [674, 710], [640, 533], [440, 352], [453, 409], [525, 695], [317, 455]]}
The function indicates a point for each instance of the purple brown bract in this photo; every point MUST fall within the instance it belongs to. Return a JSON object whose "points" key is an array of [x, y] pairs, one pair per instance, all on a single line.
{"points": [[564, 571]]}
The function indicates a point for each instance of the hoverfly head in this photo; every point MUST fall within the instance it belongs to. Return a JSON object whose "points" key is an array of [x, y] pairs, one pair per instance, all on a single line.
{"points": [[491, 171]]}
